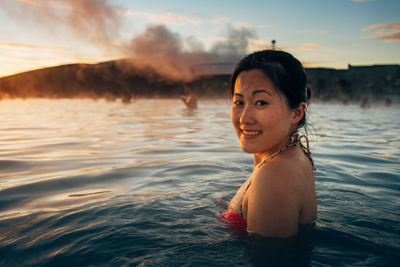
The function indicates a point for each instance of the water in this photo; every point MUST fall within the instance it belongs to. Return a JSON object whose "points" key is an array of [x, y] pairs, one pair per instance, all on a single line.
{"points": [[107, 184]]}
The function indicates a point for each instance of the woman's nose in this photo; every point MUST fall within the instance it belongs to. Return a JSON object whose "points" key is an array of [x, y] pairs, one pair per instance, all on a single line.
{"points": [[247, 116]]}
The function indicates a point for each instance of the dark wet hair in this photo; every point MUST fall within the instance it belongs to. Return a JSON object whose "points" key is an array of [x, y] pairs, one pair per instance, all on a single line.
{"points": [[284, 70]]}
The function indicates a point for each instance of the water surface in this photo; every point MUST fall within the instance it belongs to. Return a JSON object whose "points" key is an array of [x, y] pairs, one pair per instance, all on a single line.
{"points": [[104, 183]]}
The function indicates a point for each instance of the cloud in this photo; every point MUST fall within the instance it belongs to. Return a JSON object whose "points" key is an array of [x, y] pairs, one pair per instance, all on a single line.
{"points": [[27, 46], [305, 47], [388, 37], [258, 44], [164, 18], [387, 32], [44, 3], [50, 55], [81, 6], [391, 25], [310, 64]]}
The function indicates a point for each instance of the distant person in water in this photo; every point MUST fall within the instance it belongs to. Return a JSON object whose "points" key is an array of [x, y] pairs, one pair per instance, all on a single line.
{"points": [[366, 102], [269, 103], [189, 98], [387, 102]]}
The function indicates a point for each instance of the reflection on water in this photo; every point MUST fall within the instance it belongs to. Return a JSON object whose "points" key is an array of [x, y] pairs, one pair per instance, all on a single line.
{"points": [[104, 183]]}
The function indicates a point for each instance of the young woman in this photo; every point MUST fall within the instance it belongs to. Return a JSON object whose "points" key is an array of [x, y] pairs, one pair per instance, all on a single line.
{"points": [[269, 102]]}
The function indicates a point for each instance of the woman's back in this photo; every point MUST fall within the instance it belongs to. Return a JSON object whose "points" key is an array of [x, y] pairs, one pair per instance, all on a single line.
{"points": [[279, 195]]}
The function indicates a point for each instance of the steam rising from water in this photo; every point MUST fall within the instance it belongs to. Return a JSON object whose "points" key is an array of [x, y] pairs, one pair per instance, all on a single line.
{"points": [[164, 51], [90, 20], [98, 22]]}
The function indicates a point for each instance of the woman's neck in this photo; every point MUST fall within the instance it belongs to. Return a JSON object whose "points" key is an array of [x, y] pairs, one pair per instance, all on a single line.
{"points": [[261, 157], [257, 158]]}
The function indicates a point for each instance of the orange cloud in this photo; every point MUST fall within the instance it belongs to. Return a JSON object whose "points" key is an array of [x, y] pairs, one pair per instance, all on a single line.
{"points": [[387, 32], [388, 37], [391, 25], [310, 64], [45, 3], [305, 47], [27, 46], [165, 17]]}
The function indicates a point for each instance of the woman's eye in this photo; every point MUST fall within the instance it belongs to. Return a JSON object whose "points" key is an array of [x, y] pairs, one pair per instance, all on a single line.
{"points": [[237, 103], [261, 103]]}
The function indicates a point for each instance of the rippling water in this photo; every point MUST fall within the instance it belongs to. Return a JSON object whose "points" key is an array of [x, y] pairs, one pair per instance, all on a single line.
{"points": [[103, 183]]}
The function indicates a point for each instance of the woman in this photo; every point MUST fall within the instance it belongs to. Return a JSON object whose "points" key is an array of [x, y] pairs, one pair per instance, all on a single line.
{"points": [[269, 101]]}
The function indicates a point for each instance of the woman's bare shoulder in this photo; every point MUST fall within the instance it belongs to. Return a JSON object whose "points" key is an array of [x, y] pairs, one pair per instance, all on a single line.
{"points": [[280, 171], [290, 167], [275, 199]]}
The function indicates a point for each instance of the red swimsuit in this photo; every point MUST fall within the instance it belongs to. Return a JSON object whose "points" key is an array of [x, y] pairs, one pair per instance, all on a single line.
{"points": [[234, 221]]}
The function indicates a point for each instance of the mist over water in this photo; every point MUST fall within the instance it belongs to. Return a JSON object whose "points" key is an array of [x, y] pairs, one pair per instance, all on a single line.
{"points": [[103, 183], [100, 23], [164, 51]]}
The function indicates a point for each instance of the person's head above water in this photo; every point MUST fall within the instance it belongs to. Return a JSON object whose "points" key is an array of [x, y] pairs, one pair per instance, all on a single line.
{"points": [[285, 72], [269, 100]]}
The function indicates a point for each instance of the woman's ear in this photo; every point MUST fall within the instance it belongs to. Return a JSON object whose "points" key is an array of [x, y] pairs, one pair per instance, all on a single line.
{"points": [[298, 113]]}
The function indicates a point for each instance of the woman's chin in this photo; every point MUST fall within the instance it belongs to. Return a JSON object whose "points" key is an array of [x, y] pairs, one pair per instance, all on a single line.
{"points": [[250, 150]]}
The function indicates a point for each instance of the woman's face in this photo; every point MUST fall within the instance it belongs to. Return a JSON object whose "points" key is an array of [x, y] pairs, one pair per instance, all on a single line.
{"points": [[261, 117]]}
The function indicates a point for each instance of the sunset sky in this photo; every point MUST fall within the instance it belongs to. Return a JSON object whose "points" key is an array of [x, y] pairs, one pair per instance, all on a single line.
{"points": [[321, 33]]}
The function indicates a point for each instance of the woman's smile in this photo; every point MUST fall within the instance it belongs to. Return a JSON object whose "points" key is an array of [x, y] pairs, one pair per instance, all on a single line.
{"points": [[249, 134]]}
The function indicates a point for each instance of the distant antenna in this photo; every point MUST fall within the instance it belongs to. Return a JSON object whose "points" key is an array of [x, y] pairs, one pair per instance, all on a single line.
{"points": [[273, 42]]}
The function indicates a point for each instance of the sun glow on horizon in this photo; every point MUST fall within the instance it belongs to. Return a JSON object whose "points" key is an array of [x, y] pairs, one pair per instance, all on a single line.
{"points": [[27, 68]]}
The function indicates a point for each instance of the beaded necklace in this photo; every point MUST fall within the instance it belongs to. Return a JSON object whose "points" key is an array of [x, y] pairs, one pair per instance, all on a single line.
{"points": [[294, 140]]}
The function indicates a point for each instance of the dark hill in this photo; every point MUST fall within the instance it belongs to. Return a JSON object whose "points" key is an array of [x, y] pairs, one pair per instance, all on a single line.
{"points": [[107, 79], [113, 79], [119, 79]]}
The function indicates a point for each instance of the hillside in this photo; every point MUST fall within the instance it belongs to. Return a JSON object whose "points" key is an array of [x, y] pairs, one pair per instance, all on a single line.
{"points": [[118, 79]]}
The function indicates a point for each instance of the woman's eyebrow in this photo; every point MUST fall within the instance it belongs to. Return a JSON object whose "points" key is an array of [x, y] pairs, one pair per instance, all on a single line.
{"points": [[240, 95], [261, 91]]}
